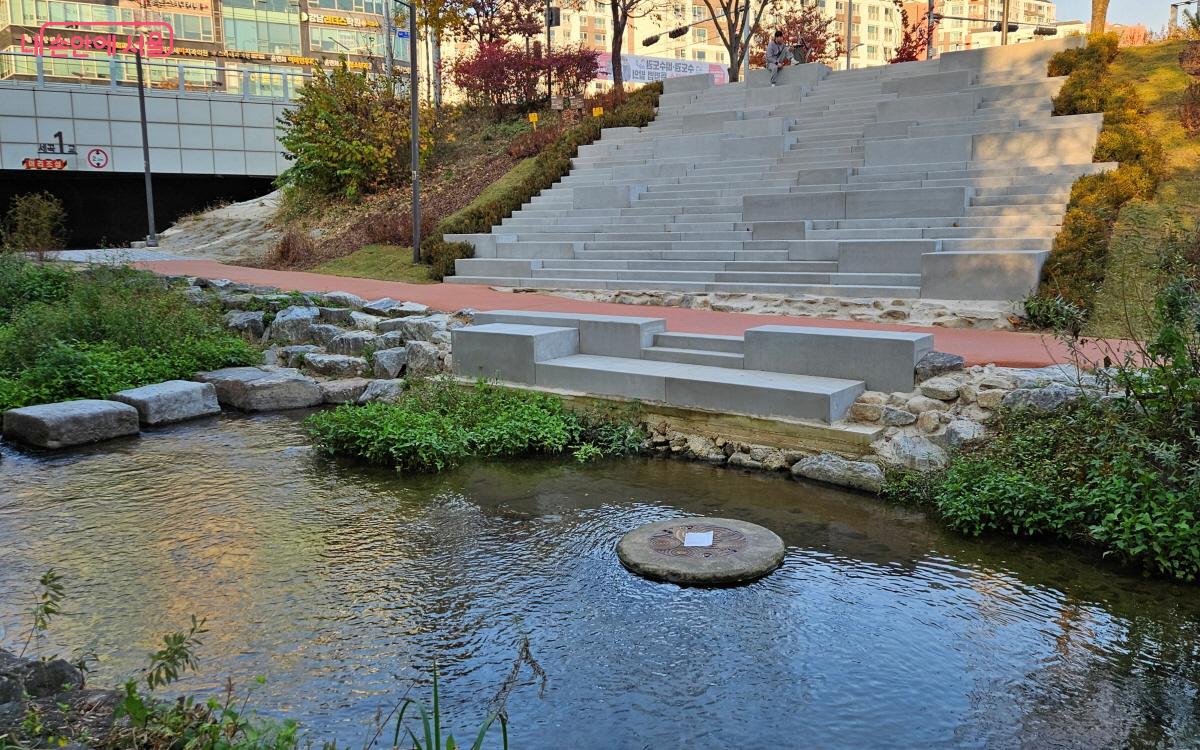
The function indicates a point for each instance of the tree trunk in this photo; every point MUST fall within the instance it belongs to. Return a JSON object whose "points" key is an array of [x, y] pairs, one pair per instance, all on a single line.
{"points": [[618, 38], [1099, 16], [436, 71]]}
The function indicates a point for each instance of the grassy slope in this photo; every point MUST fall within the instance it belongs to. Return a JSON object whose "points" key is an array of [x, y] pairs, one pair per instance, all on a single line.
{"points": [[1131, 278], [392, 263]]}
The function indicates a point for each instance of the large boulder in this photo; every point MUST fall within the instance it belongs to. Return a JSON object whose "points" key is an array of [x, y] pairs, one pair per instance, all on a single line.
{"points": [[943, 389], [335, 365], [938, 363], [172, 401], [46, 678], [338, 316], [383, 391], [345, 391], [263, 389], [958, 434], [390, 308], [70, 423], [389, 363], [249, 323], [324, 333], [365, 322], [913, 452], [352, 342], [293, 356], [417, 328], [423, 358], [292, 323], [1041, 399], [834, 469], [343, 299]]}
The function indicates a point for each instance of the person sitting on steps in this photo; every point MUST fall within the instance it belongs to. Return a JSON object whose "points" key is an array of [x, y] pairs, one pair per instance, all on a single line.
{"points": [[777, 55]]}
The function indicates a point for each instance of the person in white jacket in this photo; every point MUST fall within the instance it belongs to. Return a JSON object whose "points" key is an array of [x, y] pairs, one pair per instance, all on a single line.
{"points": [[777, 54]]}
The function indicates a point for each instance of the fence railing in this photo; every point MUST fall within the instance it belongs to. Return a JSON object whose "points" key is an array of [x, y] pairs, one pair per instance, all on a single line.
{"points": [[161, 75]]}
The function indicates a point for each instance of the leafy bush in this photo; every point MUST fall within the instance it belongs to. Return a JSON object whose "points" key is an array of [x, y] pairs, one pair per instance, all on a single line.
{"points": [[1075, 269], [438, 423], [1120, 473], [66, 335], [35, 223], [348, 135], [442, 255], [551, 165], [505, 77]]}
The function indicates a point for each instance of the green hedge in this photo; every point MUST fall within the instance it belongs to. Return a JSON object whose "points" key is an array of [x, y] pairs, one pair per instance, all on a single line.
{"points": [[551, 165], [1074, 272]]}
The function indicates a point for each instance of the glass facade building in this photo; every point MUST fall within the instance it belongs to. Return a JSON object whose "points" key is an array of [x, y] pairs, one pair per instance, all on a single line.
{"points": [[258, 47]]}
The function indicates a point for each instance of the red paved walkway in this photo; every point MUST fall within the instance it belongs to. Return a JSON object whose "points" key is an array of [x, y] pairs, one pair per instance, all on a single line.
{"points": [[978, 347]]}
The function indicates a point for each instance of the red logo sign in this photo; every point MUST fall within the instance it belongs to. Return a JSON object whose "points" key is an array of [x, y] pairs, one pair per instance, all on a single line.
{"points": [[151, 39], [44, 163]]}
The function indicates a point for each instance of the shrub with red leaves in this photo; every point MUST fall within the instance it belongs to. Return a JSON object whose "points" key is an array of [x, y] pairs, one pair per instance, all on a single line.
{"points": [[502, 77]]}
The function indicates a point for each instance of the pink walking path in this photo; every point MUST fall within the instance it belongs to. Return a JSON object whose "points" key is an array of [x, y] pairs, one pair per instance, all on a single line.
{"points": [[1004, 348]]}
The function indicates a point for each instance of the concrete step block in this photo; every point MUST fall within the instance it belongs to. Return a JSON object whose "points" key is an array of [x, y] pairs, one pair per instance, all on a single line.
{"points": [[700, 341], [509, 351], [981, 275], [884, 360], [693, 357], [604, 335]]}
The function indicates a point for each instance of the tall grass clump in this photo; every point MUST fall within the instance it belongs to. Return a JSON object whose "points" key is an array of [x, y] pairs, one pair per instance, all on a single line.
{"points": [[67, 335], [439, 423]]}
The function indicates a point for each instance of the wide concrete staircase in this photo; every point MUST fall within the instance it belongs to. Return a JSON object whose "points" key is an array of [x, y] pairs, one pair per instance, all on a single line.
{"points": [[945, 179], [788, 372]]}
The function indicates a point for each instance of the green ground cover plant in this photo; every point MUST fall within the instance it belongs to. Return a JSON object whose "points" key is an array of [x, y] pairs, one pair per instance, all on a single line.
{"points": [[438, 423], [1119, 472], [67, 335], [538, 174], [1074, 272]]}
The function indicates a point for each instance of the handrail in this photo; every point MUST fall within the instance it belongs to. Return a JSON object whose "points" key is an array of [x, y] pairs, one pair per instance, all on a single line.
{"points": [[257, 82]]}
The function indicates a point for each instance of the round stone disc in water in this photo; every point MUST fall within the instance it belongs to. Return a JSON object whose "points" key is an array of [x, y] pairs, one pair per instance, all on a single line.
{"points": [[701, 551]]}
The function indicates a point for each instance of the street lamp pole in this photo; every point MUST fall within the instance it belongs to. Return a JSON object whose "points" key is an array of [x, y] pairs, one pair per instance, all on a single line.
{"points": [[152, 237], [415, 132], [849, 31]]}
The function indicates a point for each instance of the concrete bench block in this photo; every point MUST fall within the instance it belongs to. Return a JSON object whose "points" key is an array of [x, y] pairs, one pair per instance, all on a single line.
{"points": [[906, 203], [689, 146], [172, 401], [602, 335], [883, 256], [606, 196], [893, 129], [756, 127], [495, 267], [779, 230], [933, 83], [766, 394], [601, 376], [981, 275], [924, 108], [263, 389], [824, 176], [1029, 58], [709, 122], [509, 351], [793, 74], [794, 207], [70, 423], [884, 360], [484, 244], [890, 151], [754, 148], [772, 97], [649, 171], [698, 82], [1059, 145]]}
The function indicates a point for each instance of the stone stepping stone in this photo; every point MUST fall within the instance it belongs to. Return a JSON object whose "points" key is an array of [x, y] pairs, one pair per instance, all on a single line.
{"points": [[70, 423], [701, 551], [172, 401]]}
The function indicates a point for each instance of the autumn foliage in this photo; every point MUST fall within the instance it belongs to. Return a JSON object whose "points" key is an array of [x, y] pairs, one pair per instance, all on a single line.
{"points": [[503, 77], [805, 24]]}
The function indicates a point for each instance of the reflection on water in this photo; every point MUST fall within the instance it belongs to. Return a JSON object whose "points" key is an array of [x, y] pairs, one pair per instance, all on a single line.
{"points": [[342, 585]]}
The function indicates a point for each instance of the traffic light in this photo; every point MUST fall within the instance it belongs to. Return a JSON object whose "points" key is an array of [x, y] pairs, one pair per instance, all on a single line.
{"points": [[650, 41], [1012, 28], [1045, 31], [553, 16], [676, 33]]}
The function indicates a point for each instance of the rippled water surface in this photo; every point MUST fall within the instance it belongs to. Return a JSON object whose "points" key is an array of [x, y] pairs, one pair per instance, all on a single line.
{"points": [[342, 584]]}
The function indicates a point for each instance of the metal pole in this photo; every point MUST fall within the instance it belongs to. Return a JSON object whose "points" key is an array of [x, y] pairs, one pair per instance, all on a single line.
{"points": [[849, 31], [929, 31], [1004, 26], [549, 73], [415, 135], [152, 237], [746, 46]]}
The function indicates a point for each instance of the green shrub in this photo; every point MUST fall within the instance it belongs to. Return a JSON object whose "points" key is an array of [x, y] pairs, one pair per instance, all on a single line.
{"points": [[1075, 269], [439, 423], [441, 257], [550, 165], [66, 335], [1121, 474], [35, 223]]}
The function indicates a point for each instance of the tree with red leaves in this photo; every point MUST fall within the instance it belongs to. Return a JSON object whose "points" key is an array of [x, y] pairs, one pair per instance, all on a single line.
{"points": [[806, 25], [502, 76], [914, 37], [489, 21], [622, 11]]}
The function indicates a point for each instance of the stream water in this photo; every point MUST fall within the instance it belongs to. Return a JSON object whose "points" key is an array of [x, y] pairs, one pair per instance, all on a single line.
{"points": [[343, 584]]}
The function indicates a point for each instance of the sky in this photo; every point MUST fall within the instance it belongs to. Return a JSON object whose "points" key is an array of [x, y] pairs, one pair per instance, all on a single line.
{"points": [[1152, 13]]}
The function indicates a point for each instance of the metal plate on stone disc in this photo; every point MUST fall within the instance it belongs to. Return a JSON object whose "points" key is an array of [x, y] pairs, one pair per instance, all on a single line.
{"points": [[740, 551]]}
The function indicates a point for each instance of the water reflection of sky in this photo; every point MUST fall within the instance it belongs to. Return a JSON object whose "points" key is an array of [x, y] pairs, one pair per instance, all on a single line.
{"points": [[343, 584]]}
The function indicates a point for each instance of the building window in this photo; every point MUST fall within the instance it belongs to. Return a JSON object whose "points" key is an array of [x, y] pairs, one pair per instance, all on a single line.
{"points": [[701, 34], [721, 57], [262, 36], [680, 54], [873, 13], [872, 32], [699, 54], [342, 41], [871, 49], [599, 37], [697, 13]]}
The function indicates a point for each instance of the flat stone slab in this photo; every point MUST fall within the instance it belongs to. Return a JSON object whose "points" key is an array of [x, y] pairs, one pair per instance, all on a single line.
{"points": [[701, 551], [70, 423], [172, 401], [263, 389]]}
